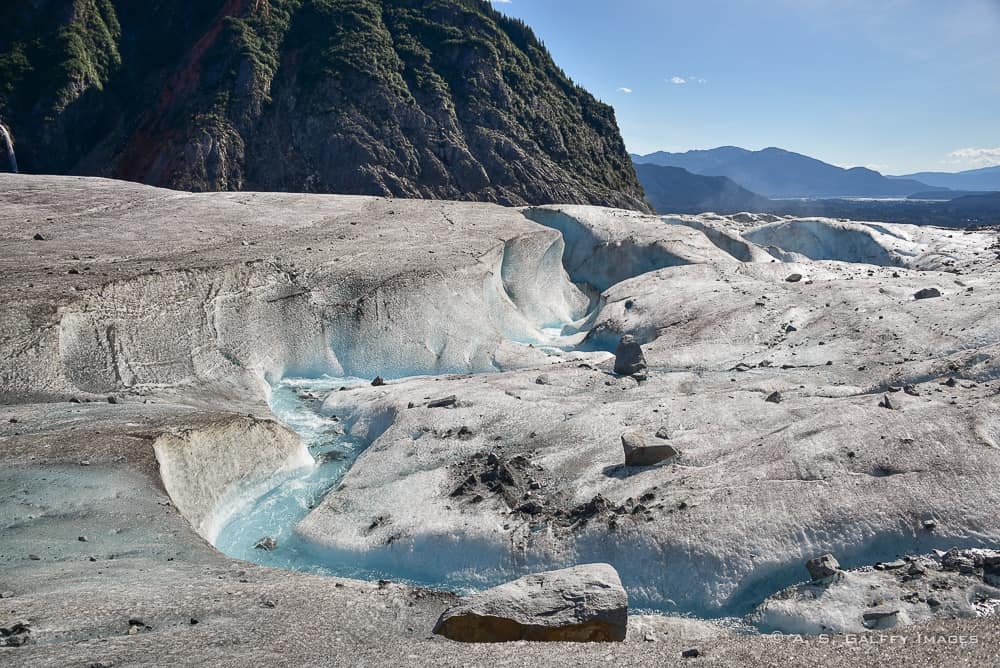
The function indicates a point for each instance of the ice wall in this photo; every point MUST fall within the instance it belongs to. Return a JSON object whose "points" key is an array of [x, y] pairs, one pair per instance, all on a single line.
{"points": [[240, 325], [203, 468], [826, 239]]}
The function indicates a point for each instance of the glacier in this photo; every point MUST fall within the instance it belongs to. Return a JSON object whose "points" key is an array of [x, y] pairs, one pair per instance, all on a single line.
{"points": [[183, 371]]}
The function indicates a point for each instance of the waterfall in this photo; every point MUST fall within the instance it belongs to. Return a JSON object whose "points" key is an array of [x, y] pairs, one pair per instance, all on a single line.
{"points": [[9, 144]]}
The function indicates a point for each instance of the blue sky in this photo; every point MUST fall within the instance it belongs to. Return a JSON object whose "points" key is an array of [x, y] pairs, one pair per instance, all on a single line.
{"points": [[895, 85]]}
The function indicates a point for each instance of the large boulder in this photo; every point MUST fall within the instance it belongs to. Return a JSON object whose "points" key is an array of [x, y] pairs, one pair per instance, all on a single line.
{"points": [[823, 567], [640, 452], [927, 293], [629, 359], [584, 603]]}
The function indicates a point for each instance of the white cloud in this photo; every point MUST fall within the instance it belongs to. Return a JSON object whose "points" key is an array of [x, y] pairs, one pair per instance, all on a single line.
{"points": [[501, 2], [975, 157], [625, 90], [690, 79]]}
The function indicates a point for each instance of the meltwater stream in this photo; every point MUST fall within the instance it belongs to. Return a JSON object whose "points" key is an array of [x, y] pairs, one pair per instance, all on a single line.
{"points": [[274, 508], [275, 513]]}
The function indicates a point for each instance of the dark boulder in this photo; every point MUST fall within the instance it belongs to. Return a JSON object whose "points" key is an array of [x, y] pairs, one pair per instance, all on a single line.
{"points": [[823, 567], [629, 359]]}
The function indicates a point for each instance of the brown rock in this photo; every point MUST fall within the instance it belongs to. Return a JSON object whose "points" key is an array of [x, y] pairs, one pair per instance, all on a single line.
{"points": [[584, 603], [639, 452]]}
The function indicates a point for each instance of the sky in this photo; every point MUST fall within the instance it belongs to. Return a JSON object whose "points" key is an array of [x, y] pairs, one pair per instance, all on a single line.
{"points": [[899, 86]]}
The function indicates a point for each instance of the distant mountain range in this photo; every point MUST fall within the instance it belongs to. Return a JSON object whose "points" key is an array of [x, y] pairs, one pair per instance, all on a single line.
{"points": [[985, 179], [774, 172], [676, 190]]}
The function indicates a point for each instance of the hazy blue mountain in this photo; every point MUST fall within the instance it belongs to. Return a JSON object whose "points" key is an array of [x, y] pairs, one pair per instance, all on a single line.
{"points": [[774, 172], [676, 190], [985, 179]]}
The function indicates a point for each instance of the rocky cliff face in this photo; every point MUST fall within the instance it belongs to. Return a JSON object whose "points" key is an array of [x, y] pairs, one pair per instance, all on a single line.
{"points": [[411, 98]]}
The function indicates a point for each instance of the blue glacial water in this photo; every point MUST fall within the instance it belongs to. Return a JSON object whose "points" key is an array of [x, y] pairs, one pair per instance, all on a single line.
{"points": [[276, 512]]}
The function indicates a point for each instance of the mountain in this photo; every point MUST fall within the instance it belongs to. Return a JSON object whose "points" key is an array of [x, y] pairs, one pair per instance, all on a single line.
{"points": [[774, 172], [985, 179], [676, 190], [410, 98]]}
